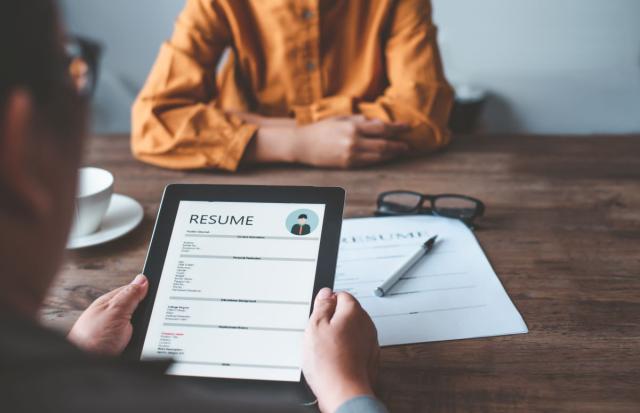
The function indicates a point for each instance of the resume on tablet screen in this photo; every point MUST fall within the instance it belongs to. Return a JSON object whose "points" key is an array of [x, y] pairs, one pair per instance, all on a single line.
{"points": [[236, 287]]}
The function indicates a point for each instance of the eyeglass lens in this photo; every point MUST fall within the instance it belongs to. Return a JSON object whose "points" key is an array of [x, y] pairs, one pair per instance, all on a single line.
{"points": [[455, 207], [401, 202]]}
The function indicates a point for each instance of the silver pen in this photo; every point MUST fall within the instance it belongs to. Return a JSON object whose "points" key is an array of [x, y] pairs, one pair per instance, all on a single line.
{"points": [[402, 270]]}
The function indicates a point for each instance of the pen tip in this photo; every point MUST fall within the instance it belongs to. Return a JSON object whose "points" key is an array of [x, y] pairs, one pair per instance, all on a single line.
{"points": [[431, 241]]}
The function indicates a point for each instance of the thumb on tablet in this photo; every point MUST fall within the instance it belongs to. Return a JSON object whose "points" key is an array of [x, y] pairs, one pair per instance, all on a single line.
{"points": [[128, 298], [324, 306]]}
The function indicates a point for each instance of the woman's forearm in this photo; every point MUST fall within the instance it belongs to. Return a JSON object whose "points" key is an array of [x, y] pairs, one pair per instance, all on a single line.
{"points": [[272, 144]]}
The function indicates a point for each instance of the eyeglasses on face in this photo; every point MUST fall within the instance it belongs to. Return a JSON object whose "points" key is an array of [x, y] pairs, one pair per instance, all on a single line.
{"points": [[82, 62]]}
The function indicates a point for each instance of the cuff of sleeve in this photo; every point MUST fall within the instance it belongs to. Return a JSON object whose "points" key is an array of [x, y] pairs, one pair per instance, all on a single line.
{"points": [[374, 111], [231, 158], [426, 134], [362, 404]]}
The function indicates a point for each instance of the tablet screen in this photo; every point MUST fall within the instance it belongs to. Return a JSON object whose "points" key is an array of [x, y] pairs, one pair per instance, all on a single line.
{"points": [[236, 287]]}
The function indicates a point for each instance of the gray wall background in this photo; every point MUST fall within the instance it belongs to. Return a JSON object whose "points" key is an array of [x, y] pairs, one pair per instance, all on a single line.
{"points": [[550, 66]]}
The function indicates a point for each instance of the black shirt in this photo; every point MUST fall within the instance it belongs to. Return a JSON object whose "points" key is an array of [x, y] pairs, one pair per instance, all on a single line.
{"points": [[40, 371], [301, 230]]}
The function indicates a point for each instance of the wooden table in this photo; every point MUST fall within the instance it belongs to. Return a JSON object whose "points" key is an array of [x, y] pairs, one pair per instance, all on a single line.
{"points": [[562, 231]]}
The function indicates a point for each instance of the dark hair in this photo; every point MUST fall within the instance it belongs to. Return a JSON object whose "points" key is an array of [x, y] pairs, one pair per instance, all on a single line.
{"points": [[33, 59], [302, 216]]}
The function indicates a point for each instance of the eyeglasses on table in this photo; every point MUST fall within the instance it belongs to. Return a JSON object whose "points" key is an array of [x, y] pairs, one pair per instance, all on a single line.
{"points": [[462, 207]]}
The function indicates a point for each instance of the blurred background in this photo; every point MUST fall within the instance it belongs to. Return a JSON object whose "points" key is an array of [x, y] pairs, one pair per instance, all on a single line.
{"points": [[541, 67]]}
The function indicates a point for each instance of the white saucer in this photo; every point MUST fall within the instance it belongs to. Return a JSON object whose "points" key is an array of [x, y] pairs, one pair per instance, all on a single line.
{"points": [[123, 215]]}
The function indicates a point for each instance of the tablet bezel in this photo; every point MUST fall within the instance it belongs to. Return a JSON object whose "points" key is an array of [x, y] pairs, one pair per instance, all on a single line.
{"points": [[331, 197]]}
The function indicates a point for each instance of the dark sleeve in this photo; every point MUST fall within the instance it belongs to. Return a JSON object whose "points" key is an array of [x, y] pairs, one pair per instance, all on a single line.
{"points": [[362, 404], [100, 388]]}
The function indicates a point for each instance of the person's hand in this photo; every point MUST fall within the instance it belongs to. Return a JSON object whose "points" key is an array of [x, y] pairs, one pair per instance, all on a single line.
{"points": [[338, 142], [349, 142], [105, 327], [341, 350]]}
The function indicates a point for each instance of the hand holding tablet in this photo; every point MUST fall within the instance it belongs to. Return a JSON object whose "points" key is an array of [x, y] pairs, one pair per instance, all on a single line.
{"points": [[233, 272]]}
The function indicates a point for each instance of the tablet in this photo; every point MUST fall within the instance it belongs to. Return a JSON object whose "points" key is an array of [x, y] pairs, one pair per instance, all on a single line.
{"points": [[233, 271]]}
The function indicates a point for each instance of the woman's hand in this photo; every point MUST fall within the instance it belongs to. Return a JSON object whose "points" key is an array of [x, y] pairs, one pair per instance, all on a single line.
{"points": [[105, 327], [349, 142], [341, 350], [339, 142]]}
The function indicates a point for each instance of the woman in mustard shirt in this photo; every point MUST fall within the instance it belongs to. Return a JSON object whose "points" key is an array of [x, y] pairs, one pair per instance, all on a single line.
{"points": [[328, 83]]}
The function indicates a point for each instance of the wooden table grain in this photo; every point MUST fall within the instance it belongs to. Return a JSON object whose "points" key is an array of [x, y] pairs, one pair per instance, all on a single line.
{"points": [[562, 231]]}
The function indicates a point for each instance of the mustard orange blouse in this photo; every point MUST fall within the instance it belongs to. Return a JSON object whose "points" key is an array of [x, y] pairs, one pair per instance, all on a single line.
{"points": [[308, 59]]}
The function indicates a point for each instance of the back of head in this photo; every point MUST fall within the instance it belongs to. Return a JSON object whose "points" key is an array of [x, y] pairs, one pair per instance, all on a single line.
{"points": [[34, 60], [30, 44], [41, 130]]}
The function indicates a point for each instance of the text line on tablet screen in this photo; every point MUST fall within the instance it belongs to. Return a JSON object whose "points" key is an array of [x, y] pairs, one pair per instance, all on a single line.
{"points": [[236, 287]]}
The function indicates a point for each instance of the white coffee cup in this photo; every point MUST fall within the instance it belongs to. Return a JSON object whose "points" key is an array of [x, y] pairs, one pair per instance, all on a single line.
{"points": [[95, 187]]}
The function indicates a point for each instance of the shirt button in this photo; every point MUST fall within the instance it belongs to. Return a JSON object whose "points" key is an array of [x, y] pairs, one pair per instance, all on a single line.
{"points": [[311, 66], [307, 14]]}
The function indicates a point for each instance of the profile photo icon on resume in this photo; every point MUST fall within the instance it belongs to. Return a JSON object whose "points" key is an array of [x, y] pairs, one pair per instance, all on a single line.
{"points": [[301, 228], [302, 222]]}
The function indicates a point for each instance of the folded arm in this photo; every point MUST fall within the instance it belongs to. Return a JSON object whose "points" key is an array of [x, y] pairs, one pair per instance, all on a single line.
{"points": [[413, 109], [175, 121], [418, 93]]}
